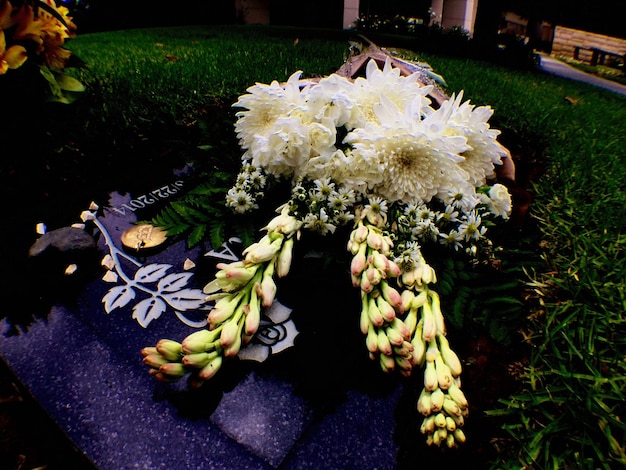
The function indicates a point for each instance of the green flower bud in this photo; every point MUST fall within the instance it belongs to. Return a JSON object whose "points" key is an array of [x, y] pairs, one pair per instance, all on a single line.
{"points": [[436, 398], [384, 346], [230, 333], [444, 376], [440, 420], [171, 350], [211, 368], [154, 360], [149, 350], [173, 369], [371, 340], [198, 360], [428, 425], [424, 403], [451, 407], [450, 357], [459, 436], [407, 296], [387, 363], [450, 424], [200, 341], [374, 313], [437, 314], [430, 377], [457, 395], [419, 346], [386, 310], [430, 328]]}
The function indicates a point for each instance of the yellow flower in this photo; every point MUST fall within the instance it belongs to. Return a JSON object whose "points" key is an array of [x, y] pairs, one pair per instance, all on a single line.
{"points": [[28, 27], [56, 57], [10, 58], [6, 14]]}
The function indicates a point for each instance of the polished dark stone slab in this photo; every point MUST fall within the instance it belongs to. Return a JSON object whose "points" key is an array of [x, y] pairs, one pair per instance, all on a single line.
{"points": [[84, 367]]}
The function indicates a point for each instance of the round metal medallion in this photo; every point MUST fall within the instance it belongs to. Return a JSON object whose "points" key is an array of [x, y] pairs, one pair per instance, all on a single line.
{"points": [[143, 237]]}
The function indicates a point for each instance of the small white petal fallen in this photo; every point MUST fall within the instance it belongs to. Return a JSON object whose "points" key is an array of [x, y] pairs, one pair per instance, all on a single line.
{"points": [[108, 262], [188, 265], [110, 276], [79, 226], [93, 206], [86, 215], [41, 228], [71, 269]]}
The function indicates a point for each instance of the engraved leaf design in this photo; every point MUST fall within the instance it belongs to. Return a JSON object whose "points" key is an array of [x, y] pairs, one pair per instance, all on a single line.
{"points": [[117, 297], [147, 310], [174, 282], [186, 299], [151, 272]]}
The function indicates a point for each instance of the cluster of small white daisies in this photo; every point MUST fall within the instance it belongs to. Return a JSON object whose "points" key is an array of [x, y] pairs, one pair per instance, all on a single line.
{"points": [[456, 222], [322, 206], [248, 189]]}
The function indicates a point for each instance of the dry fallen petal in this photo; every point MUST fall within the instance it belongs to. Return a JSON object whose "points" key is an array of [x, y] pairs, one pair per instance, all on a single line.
{"points": [[188, 265], [108, 262], [71, 269], [86, 215], [110, 276]]}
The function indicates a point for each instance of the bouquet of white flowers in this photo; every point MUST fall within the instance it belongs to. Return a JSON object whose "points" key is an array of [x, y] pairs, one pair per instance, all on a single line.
{"points": [[377, 154]]}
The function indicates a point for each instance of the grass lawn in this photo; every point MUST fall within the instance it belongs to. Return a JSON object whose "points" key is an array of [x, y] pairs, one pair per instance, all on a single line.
{"points": [[155, 97]]}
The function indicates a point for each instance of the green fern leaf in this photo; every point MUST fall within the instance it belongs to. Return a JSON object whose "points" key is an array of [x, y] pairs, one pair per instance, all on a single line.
{"points": [[216, 233], [196, 235]]}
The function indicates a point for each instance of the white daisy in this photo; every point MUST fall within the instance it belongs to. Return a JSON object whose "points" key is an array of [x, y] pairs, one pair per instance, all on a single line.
{"points": [[470, 227], [240, 201], [319, 223], [451, 239]]}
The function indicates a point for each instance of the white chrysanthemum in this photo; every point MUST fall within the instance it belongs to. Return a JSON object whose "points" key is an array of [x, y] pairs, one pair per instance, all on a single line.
{"points": [[264, 105], [471, 122], [413, 160], [285, 150], [331, 100], [389, 83]]}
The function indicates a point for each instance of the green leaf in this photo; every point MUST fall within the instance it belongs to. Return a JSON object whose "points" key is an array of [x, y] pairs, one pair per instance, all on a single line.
{"points": [[68, 83], [216, 233], [196, 235]]}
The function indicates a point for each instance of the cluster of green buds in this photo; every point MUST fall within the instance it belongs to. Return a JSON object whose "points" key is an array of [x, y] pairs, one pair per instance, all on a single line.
{"points": [[387, 336], [240, 290], [442, 402]]}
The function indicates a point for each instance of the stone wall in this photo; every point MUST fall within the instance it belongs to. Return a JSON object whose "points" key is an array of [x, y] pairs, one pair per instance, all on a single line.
{"points": [[567, 39]]}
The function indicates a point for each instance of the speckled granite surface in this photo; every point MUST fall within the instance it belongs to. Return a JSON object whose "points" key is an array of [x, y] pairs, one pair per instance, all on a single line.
{"points": [[311, 406]]}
